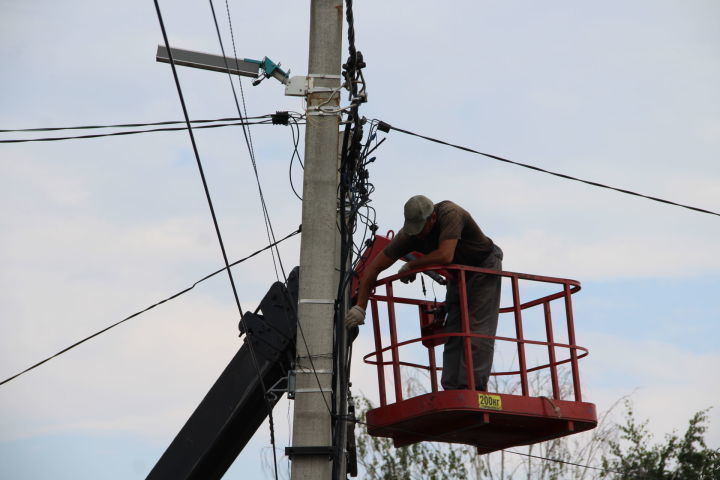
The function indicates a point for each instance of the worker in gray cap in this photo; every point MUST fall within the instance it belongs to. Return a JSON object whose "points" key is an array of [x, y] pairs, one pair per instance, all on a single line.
{"points": [[446, 233]]}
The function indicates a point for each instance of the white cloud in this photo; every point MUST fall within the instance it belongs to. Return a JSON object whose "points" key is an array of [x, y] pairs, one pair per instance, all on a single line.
{"points": [[666, 384]]}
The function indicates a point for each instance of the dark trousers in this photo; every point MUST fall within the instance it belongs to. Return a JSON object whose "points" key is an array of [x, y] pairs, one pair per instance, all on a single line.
{"points": [[483, 295]]}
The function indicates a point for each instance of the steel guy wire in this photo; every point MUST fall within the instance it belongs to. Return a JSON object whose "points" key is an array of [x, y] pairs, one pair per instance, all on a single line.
{"points": [[156, 304], [246, 134]]}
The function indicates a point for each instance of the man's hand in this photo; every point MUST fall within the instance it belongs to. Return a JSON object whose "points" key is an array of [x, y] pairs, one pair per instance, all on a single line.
{"points": [[404, 269], [355, 316]]}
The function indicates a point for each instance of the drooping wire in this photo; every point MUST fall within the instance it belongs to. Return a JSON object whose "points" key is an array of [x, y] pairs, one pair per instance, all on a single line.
{"points": [[295, 129], [156, 304], [246, 135], [387, 127]]}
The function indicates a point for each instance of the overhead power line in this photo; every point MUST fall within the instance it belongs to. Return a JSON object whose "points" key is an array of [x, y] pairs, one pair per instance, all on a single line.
{"points": [[386, 127], [264, 120], [133, 132], [127, 125], [246, 132], [171, 297]]}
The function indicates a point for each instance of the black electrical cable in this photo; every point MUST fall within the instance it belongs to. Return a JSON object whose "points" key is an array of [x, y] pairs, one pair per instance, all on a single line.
{"points": [[266, 215], [386, 127], [295, 130], [557, 460], [248, 137], [212, 210], [167, 299], [133, 132], [197, 157], [126, 125], [248, 141], [352, 195]]}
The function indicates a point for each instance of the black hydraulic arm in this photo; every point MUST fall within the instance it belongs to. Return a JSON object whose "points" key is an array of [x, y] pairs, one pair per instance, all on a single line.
{"points": [[236, 405]]}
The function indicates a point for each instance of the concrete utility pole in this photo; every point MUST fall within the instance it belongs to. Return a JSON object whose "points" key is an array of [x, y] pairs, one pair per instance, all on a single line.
{"points": [[319, 250]]}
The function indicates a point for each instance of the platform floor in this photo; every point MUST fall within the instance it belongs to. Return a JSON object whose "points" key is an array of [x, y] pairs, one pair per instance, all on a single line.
{"points": [[486, 420]]}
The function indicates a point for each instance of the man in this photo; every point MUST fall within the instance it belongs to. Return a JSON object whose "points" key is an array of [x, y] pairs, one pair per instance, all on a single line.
{"points": [[446, 233]]}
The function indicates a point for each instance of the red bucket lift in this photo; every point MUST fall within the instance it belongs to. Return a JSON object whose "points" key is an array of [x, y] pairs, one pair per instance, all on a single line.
{"points": [[489, 421]]}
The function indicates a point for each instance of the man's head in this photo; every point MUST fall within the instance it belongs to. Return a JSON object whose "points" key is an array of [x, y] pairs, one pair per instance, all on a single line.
{"points": [[419, 215]]}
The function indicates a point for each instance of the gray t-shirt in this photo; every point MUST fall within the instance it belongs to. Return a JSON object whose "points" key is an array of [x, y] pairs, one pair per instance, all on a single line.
{"points": [[453, 222]]}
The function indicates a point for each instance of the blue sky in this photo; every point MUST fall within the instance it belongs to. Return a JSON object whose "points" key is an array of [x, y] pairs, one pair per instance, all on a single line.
{"points": [[623, 93]]}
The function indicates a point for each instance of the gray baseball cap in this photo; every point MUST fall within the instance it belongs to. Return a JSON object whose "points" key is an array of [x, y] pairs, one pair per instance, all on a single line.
{"points": [[417, 211]]}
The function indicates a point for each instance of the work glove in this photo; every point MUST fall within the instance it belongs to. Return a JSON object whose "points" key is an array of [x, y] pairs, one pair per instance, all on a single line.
{"points": [[355, 316], [404, 269]]}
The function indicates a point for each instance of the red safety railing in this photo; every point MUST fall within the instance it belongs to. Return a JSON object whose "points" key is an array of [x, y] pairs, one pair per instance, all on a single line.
{"points": [[432, 338]]}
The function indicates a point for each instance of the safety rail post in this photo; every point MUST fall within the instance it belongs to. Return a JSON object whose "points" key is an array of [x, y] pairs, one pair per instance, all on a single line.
{"points": [[432, 363], [465, 321], [573, 346], [519, 335], [551, 351], [379, 357], [433, 369], [393, 343]]}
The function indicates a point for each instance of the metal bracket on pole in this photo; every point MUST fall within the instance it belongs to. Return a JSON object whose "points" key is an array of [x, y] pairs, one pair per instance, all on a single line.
{"points": [[246, 67], [292, 381], [300, 86], [305, 451], [320, 301]]}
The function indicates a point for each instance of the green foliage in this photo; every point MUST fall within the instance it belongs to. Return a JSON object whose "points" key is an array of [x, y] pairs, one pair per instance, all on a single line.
{"points": [[633, 457], [382, 461]]}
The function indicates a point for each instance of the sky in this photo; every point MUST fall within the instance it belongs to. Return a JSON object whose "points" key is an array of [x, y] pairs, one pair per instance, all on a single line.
{"points": [[623, 93]]}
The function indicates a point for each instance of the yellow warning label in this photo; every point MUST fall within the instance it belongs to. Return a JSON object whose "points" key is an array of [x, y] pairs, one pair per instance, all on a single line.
{"points": [[493, 402]]}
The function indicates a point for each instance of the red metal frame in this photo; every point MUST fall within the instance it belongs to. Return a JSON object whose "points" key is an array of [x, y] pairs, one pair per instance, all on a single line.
{"points": [[460, 416]]}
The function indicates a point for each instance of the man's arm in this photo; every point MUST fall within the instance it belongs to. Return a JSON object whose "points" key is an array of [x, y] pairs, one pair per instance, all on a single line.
{"points": [[442, 255], [369, 276]]}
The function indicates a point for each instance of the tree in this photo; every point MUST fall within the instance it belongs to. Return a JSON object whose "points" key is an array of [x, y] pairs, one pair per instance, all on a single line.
{"points": [[432, 460], [632, 457]]}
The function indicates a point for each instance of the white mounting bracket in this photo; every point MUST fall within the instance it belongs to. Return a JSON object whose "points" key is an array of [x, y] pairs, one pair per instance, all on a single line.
{"points": [[300, 86]]}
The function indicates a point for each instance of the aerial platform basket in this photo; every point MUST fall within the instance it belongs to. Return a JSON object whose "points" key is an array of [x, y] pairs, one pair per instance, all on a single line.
{"points": [[489, 421]]}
